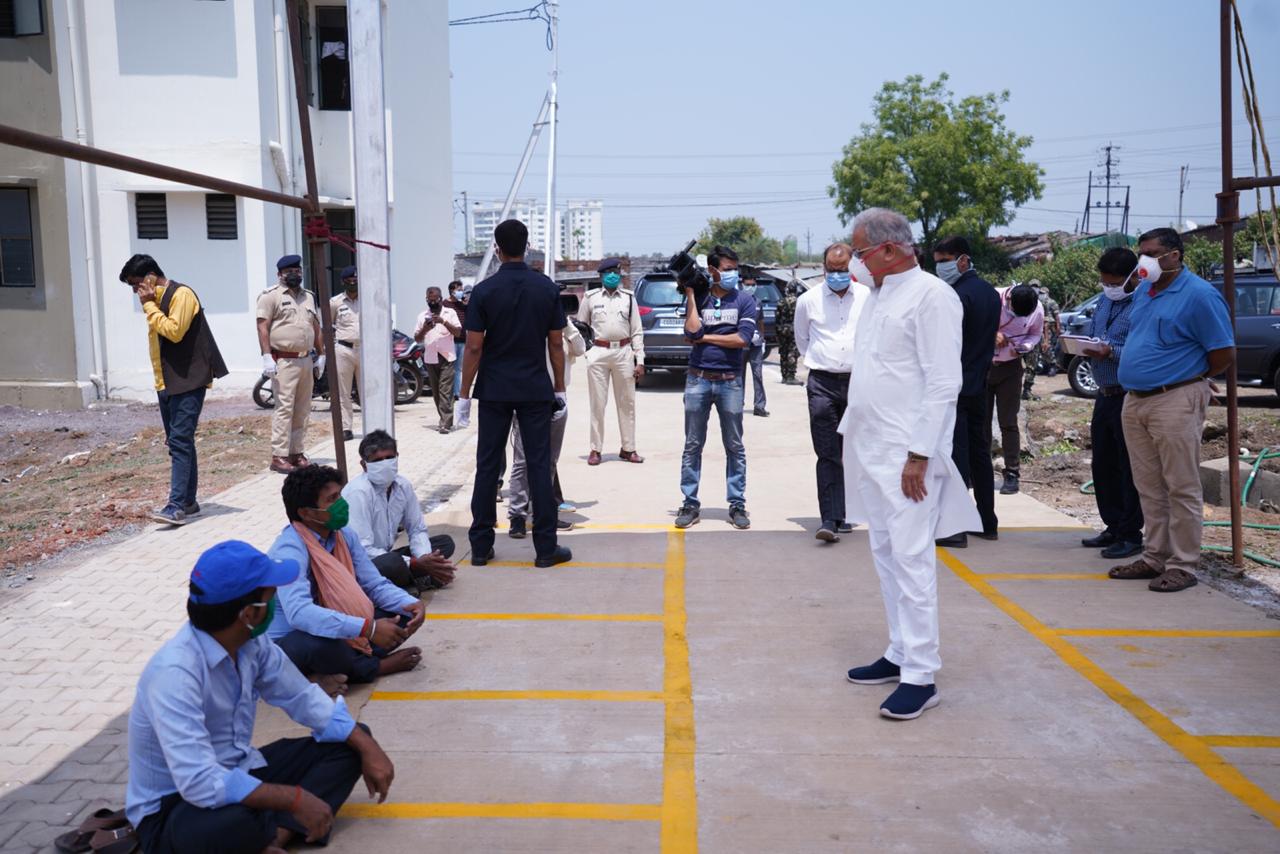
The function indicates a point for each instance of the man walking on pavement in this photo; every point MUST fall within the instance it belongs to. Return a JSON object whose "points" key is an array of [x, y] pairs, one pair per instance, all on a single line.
{"points": [[185, 361], [344, 308], [826, 318], [457, 301], [515, 324], [617, 358], [436, 329], [288, 328], [720, 327], [784, 324], [1180, 335], [970, 443], [1019, 333], [755, 355]]}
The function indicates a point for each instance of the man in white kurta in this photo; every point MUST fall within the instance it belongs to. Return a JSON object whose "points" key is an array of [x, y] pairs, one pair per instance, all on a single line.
{"points": [[897, 451]]}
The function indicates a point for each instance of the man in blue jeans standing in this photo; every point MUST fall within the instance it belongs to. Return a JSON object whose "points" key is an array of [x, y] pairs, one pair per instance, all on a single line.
{"points": [[721, 328]]}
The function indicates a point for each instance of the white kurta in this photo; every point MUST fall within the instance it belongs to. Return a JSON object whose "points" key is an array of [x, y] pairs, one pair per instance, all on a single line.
{"points": [[902, 397]]}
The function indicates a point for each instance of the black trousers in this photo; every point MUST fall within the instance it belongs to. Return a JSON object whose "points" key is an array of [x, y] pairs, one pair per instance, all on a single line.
{"points": [[828, 395], [534, 418], [317, 656], [1004, 396], [393, 568], [971, 452], [1113, 487], [329, 771]]}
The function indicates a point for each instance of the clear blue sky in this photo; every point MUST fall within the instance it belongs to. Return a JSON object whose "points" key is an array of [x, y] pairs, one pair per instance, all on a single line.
{"points": [[673, 112]]}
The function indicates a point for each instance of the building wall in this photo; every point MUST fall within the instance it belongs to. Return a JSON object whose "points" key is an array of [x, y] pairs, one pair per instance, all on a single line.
{"points": [[587, 219]]}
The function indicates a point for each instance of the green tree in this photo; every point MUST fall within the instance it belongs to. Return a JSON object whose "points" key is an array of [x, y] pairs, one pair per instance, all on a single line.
{"points": [[949, 166], [1200, 255], [1070, 275], [743, 235]]}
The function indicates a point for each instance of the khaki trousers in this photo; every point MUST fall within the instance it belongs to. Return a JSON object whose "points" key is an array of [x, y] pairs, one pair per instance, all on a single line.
{"points": [[616, 366], [293, 406], [348, 364], [1163, 434]]}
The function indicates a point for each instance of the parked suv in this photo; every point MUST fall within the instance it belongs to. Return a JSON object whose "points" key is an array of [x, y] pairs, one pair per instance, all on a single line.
{"points": [[1257, 328], [661, 309], [1075, 321]]}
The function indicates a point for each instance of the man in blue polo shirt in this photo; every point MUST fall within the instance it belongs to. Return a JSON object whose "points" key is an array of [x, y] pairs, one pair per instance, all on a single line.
{"points": [[1179, 335], [721, 330]]}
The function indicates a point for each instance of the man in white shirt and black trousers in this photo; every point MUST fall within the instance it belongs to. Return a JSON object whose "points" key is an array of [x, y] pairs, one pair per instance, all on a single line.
{"points": [[825, 320]]}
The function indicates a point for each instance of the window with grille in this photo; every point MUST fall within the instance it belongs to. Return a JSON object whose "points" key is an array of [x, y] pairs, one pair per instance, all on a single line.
{"points": [[21, 18], [17, 244], [220, 217], [335, 81], [153, 216]]}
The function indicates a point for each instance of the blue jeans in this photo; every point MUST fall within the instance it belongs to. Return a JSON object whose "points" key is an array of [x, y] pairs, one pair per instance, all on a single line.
{"points": [[755, 358], [699, 396], [180, 413], [458, 347]]}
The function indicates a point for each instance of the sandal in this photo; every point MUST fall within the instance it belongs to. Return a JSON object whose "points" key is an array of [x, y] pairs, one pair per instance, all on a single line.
{"points": [[78, 841], [122, 840], [1172, 581], [1133, 571]]}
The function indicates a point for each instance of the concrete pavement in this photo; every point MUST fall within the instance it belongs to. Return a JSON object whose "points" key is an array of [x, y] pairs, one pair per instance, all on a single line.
{"points": [[675, 690]]}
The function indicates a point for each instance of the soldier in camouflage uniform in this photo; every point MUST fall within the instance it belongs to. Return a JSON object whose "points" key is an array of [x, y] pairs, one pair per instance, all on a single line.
{"points": [[1044, 357], [784, 321]]}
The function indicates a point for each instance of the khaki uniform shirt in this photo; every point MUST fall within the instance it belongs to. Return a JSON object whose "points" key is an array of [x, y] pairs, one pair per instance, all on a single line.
{"points": [[345, 313], [614, 316], [292, 319]]}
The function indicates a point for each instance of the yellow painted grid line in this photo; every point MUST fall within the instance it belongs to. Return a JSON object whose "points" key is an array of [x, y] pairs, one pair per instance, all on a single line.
{"points": [[591, 618], [1241, 740], [585, 812], [590, 696], [1168, 633], [679, 832], [1045, 576], [1194, 749], [573, 564]]}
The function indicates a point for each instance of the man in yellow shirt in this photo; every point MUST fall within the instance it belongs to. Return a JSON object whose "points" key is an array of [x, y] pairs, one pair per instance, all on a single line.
{"points": [[186, 361]]}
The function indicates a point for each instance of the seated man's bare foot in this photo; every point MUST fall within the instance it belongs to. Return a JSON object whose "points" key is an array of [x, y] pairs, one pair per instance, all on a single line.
{"points": [[333, 684], [400, 661]]}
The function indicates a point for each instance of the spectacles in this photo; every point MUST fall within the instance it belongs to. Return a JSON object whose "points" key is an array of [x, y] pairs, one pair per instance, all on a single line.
{"points": [[860, 253]]}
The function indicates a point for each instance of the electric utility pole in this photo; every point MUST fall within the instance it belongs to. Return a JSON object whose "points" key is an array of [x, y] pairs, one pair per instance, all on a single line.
{"points": [[1182, 188], [553, 232]]}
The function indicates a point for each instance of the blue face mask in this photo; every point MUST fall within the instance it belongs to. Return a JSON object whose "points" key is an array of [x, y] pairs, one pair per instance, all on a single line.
{"points": [[838, 281], [729, 280], [949, 271], [611, 280]]}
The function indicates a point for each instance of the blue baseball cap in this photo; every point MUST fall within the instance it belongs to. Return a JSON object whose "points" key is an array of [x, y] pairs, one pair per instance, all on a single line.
{"points": [[289, 261], [233, 568], [348, 272]]}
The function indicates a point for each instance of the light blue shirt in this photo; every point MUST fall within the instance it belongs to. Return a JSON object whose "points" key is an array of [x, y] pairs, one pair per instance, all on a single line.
{"points": [[191, 726], [297, 607], [1172, 332], [377, 517]]}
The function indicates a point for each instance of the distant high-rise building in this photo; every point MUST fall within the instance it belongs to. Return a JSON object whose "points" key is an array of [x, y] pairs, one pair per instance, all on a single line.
{"points": [[580, 226], [485, 217]]}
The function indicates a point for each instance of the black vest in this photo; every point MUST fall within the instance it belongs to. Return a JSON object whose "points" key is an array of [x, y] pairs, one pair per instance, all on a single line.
{"points": [[193, 362]]}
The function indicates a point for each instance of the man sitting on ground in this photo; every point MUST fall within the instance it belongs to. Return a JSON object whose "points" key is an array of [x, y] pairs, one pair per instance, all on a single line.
{"points": [[340, 617], [382, 502], [195, 780]]}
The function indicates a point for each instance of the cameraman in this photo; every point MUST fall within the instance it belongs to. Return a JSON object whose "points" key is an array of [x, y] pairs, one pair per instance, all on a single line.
{"points": [[721, 328]]}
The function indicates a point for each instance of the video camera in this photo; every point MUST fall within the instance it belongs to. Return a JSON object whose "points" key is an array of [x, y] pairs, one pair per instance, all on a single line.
{"points": [[689, 274]]}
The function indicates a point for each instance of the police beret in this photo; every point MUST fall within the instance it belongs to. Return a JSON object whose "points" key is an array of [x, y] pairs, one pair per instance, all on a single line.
{"points": [[289, 261], [348, 272], [608, 263]]}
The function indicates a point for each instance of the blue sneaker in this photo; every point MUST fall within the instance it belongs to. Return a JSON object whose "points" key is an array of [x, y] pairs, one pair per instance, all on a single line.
{"points": [[567, 507], [909, 702], [169, 516], [879, 673]]}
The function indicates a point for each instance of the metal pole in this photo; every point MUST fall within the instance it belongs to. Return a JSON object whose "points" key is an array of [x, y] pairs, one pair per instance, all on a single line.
{"points": [[1228, 216], [369, 133], [553, 230], [482, 271]]}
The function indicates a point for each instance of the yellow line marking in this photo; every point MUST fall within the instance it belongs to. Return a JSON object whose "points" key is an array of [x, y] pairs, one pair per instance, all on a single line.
{"points": [[595, 696], [1241, 740], [591, 618], [1168, 633], [1045, 576], [577, 565], [583, 812], [1194, 749], [679, 787]]}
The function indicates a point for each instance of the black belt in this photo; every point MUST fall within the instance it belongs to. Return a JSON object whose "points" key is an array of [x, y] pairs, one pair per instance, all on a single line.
{"points": [[714, 376], [1111, 391], [835, 375], [1152, 392], [350, 344]]}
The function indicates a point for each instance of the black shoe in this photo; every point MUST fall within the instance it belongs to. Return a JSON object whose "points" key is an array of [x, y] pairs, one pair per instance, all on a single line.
{"points": [[763, 413], [1120, 549], [687, 516], [476, 560], [879, 673], [909, 702], [1101, 541], [827, 532], [738, 518], [517, 531], [955, 541], [1010, 486], [986, 535], [564, 525], [192, 509], [347, 435], [560, 555], [843, 527]]}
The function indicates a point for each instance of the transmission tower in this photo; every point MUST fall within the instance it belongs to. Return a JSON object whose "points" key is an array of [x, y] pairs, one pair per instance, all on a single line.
{"points": [[1110, 180]]}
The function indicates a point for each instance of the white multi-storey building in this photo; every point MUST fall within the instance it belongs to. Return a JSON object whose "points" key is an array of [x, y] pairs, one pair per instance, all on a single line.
{"points": [[485, 217], [580, 226], [581, 230], [204, 86]]}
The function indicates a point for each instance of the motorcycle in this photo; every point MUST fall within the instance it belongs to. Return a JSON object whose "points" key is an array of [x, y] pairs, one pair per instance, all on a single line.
{"points": [[410, 376]]}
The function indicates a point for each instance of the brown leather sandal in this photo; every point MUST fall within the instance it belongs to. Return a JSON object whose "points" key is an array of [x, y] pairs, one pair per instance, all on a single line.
{"points": [[630, 457], [1134, 571], [1173, 580], [77, 841]]}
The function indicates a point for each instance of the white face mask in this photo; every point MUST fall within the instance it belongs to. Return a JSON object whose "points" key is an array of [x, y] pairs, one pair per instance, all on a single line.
{"points": [[383, 472], [1115, 293], [860, 273], [1149, 270]]}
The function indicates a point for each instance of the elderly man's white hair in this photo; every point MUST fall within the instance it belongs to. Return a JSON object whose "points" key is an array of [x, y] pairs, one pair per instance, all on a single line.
{"points": [[881, 225]]}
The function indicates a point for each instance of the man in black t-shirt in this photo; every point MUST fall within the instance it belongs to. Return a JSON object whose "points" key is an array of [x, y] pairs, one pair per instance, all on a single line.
{"points": [[721, 330], [514, 326]]}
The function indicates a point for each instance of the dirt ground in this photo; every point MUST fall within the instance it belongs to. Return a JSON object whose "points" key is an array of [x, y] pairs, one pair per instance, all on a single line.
{"points": [[70, 479]]}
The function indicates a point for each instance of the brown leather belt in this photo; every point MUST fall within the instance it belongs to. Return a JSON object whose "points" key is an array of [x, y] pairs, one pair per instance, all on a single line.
{"points": [[714, 376], [281, 354], [1152, 392], [612, 345], [1111, 391]]}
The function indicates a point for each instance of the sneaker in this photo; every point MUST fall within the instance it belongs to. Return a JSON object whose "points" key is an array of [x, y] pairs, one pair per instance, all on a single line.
{"points": [[843, 527], [762, 412], [1121, 549], [169, 516], [879, 673], [192, 509], [955, 541], [560, 555], [909, 702], [738, 518], [564, 525], [347, 435], [517, 531], [1101, 541], [1010, 485], [827, 533], [481, 560], [567, 507], [687, 516]]}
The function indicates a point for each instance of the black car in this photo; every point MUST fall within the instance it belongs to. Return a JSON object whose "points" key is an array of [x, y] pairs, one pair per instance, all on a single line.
{"points": [[662, 316]]}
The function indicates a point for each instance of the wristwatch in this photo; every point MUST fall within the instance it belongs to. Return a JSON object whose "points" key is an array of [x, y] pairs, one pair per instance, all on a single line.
{"points": [[912, 456]]}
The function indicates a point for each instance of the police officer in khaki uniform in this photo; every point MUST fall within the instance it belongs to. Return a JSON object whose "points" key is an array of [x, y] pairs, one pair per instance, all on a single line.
{"points": [[617, 358], [288, 328], [345, 311]]}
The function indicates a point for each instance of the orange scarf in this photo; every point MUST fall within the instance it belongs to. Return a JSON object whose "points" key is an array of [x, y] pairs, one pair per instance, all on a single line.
{"points": [[335, 577]]}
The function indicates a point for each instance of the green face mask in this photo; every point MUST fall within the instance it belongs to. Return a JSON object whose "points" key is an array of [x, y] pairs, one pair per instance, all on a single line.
{"points": [[611, 280], [339, 514], [262, 627]]}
